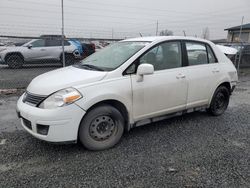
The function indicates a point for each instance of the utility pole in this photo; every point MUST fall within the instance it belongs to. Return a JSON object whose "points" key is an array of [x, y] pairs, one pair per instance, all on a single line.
{"points": [[63, 55], [238, 67], [157, 26], [184, 32]]}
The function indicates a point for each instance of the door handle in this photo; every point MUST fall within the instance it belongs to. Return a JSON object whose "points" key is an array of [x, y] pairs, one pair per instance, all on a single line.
{"points": [[180, 76], [42, 50]]}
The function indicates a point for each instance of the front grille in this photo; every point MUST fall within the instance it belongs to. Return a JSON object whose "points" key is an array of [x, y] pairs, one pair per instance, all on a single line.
{"points": [[27, 123], [33, 99]]}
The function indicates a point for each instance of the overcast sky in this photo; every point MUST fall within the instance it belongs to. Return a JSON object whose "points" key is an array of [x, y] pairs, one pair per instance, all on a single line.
{"points": [[96, 18]]}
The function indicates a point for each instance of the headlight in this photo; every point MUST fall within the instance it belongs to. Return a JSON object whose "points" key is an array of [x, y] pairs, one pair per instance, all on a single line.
{"points": [[61, 98], [2, 49]]}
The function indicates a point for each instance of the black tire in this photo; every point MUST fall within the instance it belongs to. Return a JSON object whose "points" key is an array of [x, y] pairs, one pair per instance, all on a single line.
{"points": [[219, 101], [101, 128], [14, 61]]}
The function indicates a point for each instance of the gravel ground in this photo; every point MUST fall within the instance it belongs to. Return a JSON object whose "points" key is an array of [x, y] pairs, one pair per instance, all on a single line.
{"points": [[195, 150]]}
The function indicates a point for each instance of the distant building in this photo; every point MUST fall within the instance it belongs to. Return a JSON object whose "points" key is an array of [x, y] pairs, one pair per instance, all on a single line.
{"points": [[234, 32]]}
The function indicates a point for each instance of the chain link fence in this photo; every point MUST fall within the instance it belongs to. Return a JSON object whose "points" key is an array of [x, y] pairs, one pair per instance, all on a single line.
{"points": [[24, 58], [241, 59]]}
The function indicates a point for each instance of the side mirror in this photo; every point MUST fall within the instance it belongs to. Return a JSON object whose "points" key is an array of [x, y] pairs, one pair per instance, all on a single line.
{"points": [[144, 69], [29, 46]]}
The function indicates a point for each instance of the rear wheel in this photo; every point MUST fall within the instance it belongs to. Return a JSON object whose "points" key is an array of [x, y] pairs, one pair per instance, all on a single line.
{"points": [[101, 128], [219, 101], [14, 61]]}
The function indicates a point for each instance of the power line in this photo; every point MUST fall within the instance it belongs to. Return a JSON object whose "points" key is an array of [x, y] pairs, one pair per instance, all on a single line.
{"points": [[117, 22], [228, 10], [221, 12]]}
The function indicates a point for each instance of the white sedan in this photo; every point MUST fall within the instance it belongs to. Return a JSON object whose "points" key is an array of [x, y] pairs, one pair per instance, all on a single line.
{"points": [[127, 84]]}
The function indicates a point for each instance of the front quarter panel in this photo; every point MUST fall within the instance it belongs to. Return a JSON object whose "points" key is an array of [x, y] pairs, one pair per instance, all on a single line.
{"points": [[118, 89]]}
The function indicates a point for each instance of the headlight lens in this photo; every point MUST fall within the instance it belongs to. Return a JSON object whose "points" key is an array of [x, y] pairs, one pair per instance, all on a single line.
{"points": [[61, 98], [2, 49]]}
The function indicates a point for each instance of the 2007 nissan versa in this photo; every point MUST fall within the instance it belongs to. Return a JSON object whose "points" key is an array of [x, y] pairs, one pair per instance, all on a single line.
{"points": [[127, 84]]}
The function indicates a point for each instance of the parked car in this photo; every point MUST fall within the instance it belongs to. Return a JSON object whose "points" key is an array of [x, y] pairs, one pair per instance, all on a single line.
{"points": [[98, 47], [39, 51], [88, 49], [125, 85], [245, 55], [2, 47], [243, 49]]}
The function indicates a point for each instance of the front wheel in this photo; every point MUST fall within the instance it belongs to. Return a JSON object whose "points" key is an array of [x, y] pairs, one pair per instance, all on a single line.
{"points": [[101, 128], [219, 101], [14, 61]]}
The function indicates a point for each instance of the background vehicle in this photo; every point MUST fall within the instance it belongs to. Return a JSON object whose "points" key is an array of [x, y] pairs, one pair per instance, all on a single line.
{"points": [[243, 50], [127, 84], [88, 49], [46, 49], [98, 47]]}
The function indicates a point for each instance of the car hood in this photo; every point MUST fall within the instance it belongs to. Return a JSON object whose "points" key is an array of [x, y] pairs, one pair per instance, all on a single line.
{"points": [[53, 81]]}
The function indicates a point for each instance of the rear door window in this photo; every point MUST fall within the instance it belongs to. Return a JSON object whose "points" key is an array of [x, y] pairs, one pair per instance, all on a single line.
{"points": [[53, 42], [56, 42], [197, 53], [38, 43]]}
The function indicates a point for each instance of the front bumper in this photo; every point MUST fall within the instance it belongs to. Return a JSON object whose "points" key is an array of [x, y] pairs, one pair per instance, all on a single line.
{"points": [[1, 61], [233, 86], [60, 124]]}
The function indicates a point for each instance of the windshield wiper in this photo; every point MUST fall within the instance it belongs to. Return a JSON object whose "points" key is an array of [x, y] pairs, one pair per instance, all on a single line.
{"points": [[93, 67]]}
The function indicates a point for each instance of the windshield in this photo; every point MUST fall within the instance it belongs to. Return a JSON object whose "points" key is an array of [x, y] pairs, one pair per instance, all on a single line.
{"points": [[112, 56]]}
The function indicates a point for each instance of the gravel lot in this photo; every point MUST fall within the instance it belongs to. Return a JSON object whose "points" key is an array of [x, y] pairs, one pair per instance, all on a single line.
{"points": [[195, 150]]}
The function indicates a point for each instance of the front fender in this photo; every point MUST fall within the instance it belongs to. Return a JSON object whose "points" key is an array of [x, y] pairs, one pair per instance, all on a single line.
{"points": [[117, 89]]}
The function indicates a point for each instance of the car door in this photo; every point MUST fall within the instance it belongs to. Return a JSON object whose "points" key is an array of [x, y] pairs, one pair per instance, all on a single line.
{"points": [[54, 47], [203, 73], [36, 50], [164, 91]]}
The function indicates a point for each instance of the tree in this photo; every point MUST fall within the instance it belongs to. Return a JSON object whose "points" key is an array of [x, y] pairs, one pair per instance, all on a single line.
{"points": [[166, 32], [205, 33]]}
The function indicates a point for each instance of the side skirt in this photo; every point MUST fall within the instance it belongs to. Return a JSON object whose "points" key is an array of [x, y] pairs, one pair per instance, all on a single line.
{"points": [[167, 116]]}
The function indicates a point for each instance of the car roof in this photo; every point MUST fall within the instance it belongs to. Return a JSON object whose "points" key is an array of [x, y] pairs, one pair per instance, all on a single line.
{"points": [[164, 38]]}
